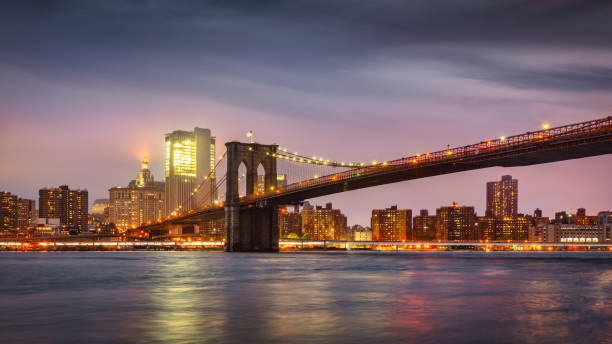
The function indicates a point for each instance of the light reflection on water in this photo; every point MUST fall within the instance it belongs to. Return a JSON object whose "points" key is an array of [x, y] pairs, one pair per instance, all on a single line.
{"points": [[195, 297]]}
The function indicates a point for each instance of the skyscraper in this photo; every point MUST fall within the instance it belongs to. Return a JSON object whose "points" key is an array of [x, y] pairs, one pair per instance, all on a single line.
{"points": [[189, 158], [141, 201], [391, 224], [502, 198], [70, 206], [455, 223]]}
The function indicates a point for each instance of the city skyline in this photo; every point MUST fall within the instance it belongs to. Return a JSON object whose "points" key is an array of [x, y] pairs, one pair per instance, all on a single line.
{"points": [[305, 171], [480, 205], [370, 91]]}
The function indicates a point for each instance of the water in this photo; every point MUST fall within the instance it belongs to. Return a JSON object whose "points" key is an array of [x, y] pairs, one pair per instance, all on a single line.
{"points": [[305, 297]]}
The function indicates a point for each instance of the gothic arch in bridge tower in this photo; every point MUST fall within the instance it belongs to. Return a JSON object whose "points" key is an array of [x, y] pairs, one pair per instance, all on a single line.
{"points": [[242, 173], [251, 228], [252, 155]]}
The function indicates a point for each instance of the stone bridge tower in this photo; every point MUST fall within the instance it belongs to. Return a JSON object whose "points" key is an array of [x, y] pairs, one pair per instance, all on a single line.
{"points": [[252, 227]]}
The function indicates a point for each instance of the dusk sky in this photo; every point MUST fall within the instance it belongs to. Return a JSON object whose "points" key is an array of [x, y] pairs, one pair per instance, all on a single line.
{"points": [[88, 87]]}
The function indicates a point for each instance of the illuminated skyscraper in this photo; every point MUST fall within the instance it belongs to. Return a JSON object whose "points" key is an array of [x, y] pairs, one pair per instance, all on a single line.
{"points": [[455, 223], [502, 198], [391, 224], [189, 158], [70, 206], [140, 202]]}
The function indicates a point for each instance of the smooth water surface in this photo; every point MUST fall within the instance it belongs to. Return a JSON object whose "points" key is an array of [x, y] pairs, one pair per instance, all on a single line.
{"points": [[305, 297]]}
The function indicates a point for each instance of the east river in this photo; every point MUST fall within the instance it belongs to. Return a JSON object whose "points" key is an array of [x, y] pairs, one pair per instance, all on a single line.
{"points": [[305, 297]]}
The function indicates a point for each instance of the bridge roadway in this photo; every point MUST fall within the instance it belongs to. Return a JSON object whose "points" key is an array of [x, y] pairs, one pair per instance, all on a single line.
{"points": [[574, 141]]}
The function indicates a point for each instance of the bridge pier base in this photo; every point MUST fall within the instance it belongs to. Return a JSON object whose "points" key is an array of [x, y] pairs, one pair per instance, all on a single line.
{"points": [[253, 229]]}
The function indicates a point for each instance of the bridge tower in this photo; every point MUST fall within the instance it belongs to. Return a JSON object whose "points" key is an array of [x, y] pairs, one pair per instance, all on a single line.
{"points": [[252, 228]]}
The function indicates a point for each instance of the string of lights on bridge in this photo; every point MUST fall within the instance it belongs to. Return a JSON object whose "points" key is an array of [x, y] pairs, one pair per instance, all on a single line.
{"points": [[362, 169], [295, 157], [284, 153]]}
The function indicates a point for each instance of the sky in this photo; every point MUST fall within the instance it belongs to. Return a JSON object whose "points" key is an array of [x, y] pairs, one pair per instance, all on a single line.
{"points": [[88, 87]]}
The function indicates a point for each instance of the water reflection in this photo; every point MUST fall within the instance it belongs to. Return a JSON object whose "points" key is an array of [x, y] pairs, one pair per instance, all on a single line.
{"points": [[194, 297], [180, 303]]}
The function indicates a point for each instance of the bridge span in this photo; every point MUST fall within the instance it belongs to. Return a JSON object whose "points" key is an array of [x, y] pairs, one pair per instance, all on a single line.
{"points": [[251, 221]]}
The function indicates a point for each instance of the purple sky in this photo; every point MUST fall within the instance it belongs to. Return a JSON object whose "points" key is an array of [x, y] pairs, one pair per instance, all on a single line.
{"points": [[88, 87]]}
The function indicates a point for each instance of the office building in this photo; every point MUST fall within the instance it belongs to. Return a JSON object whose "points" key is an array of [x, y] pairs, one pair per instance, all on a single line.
{"points": [[26, 213], [572, 233], [502, 198], [189, 160], [322, 223], [391, 224], [140, 202], [424, 226], [503, 229], [604, 222], [485, 228], [455, 223], [8, 211], [582, 219], [47, 226], [289, 222], [362, 235], [70, 206]]}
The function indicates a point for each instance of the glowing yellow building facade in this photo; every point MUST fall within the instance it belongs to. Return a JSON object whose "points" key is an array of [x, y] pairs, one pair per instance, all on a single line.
{"points": [[189, 159], [502, 198]]}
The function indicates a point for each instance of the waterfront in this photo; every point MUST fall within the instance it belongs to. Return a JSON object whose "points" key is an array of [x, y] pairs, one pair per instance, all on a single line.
{"points": [[346, 297]]}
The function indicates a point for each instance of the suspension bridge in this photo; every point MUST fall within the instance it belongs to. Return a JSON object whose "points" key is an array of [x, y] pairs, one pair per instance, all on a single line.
{"points": [[251, 216]]}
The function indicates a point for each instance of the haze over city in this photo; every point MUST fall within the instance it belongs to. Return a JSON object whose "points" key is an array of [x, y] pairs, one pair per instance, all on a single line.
{"points": [[89, 87]]}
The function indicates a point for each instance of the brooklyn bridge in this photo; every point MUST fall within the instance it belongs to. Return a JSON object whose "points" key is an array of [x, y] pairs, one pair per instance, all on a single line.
{"points": [[251, 218]]}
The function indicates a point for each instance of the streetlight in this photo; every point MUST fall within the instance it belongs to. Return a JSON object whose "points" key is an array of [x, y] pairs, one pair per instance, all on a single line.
{"points": [[250, 135]]}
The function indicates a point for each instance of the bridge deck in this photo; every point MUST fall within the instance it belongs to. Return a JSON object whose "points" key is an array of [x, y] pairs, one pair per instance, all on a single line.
{"points": [[574, 141]]}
